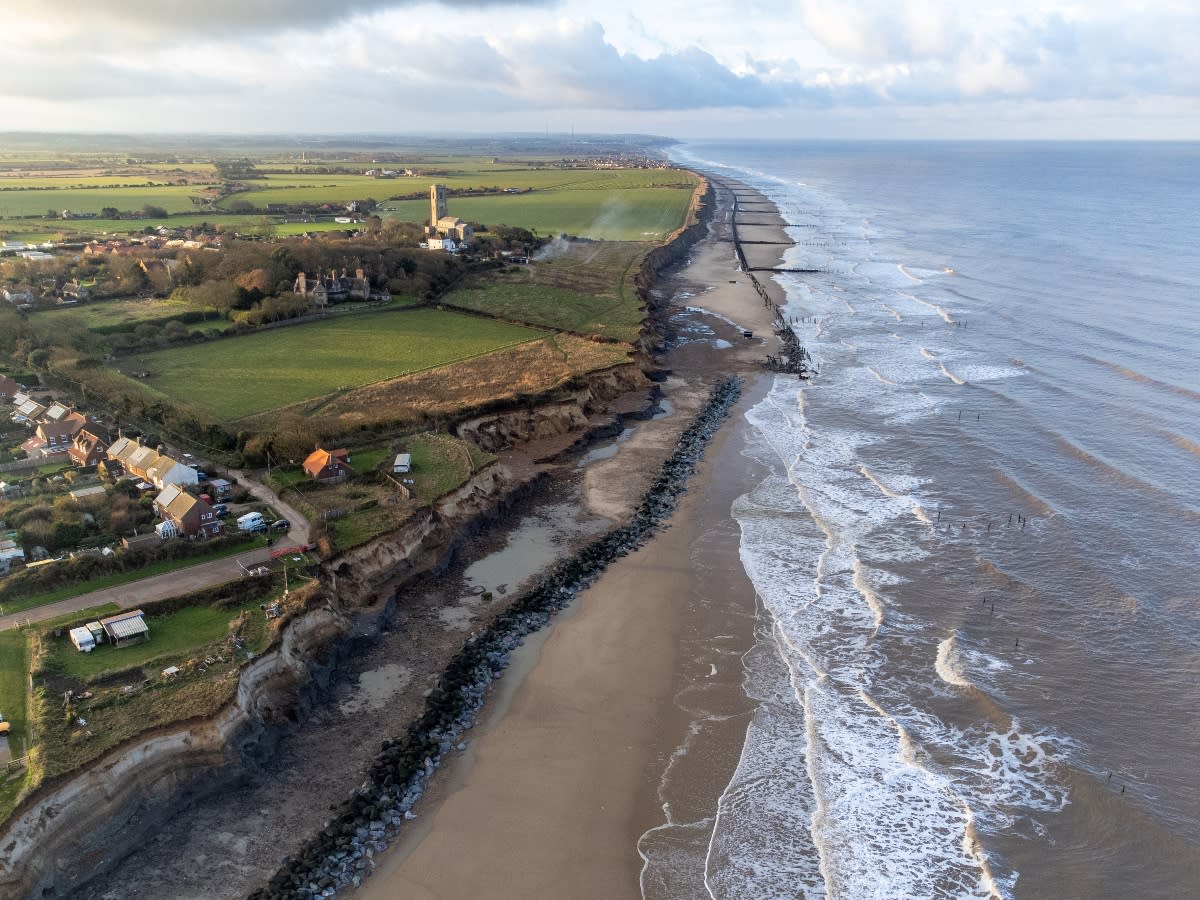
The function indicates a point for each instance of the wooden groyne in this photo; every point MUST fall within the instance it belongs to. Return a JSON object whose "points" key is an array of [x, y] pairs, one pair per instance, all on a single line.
{"points": [[793, 358]]}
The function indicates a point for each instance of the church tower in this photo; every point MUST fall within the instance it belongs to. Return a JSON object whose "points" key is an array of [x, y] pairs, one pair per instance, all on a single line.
{"points": [[437, 204]]}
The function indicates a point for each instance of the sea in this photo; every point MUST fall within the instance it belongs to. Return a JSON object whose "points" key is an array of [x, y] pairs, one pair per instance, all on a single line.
{"points": [[976, 539]]}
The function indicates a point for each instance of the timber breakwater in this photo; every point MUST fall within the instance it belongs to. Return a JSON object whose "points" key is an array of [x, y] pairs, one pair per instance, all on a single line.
{"points": [[343, 852]]}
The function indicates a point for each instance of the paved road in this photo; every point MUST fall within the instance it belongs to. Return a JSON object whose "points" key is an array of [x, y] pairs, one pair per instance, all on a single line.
{"points": [[181, 581]]}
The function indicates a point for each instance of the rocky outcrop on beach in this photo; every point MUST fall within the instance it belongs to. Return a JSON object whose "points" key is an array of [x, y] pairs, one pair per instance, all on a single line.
{"points": [[343, 852]]}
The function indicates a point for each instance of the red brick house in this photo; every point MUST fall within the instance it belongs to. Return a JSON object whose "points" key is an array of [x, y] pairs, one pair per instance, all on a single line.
{"points": [[185, 515], [328, 465], [88, 446]]}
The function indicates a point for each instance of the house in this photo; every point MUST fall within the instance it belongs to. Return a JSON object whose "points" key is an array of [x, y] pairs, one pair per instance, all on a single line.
{"points": [[328, 465], [148, 464], [334, 288], [56, 412], [127, 628], [53, 440], [30, 409], [89, 445], [8, 388], [184, 515], [402, 463], [220, 488]]}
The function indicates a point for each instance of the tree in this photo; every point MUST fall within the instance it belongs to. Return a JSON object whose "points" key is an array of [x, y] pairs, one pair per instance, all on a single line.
{"points": [[39, 359], [110, 212], [153, 212]]}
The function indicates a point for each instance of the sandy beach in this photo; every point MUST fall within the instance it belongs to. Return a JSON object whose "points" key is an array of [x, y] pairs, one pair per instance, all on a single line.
{"points": [[579, 755]]}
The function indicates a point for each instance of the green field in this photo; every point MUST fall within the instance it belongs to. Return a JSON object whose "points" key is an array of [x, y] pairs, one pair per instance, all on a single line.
{"points": [[239, 377], [172, 198], [621, 215], [110, 314]]}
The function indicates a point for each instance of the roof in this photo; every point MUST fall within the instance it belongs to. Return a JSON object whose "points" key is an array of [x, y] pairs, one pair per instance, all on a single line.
{"points": [[57, 410], [183, 504], [127, 628], [82, 634], [31, 409], [128, 614], [8, 387], [320, 459], [94, 491], [402, 459]]}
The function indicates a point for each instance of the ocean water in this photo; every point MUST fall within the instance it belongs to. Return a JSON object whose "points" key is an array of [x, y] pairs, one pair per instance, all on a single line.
{"points": [[978, 545]]}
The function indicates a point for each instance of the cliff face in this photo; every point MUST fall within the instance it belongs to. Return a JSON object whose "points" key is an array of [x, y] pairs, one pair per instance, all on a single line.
{"points": [[83, 827], [499, 431], [73, 832]]}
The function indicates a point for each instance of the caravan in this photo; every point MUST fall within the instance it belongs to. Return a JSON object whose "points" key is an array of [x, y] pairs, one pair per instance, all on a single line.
{"points": [[252, 522]]}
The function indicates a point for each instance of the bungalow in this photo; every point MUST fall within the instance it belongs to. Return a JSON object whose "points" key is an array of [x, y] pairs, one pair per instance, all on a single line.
{"points": [[185, 515], [30, 409], [328, 465], [126, 628], [56, 411]]}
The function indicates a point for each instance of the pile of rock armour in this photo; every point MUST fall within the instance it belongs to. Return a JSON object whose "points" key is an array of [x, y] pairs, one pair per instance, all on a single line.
{"points": [[343, 852]]}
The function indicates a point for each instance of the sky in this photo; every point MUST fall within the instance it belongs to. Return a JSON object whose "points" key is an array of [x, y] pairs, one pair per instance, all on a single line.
{"points": [[886, 69]]}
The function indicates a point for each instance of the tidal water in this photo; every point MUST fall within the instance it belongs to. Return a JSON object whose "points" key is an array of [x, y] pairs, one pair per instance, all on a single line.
{"points": [[978, 547]]}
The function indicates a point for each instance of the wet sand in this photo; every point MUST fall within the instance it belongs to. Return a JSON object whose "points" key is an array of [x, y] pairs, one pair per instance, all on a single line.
{"points": [[579, 755]]}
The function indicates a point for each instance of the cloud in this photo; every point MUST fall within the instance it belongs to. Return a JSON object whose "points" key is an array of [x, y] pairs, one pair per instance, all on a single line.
{"points": [[575, 64], [170, 18]]}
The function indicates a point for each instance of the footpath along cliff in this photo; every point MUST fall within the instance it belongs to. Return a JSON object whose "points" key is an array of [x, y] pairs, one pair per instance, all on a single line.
{"points": [[70, 832]]}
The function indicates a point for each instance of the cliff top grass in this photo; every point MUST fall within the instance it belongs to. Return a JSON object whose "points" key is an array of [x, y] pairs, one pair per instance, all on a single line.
{"points": [[243, 376], [129, 693], [14, 681], [579, 286], [371, 502]]}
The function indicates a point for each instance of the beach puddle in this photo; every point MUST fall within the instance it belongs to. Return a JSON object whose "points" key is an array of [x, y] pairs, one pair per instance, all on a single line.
{"points": [[376, 688]]}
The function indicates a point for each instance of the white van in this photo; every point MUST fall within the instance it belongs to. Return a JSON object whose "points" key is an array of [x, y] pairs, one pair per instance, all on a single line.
{"points": [[252, 522]]}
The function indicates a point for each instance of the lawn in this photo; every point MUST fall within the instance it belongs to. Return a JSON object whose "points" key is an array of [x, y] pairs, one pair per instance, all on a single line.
{"points": [[14, 679], [175, 635], [242, 376], [14, 683]]}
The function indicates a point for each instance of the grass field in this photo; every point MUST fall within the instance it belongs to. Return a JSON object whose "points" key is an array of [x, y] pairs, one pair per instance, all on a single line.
{"points": [[171, 637], [172, 198], [633, 214], [132, 312], [587, 288], [239, 377]]}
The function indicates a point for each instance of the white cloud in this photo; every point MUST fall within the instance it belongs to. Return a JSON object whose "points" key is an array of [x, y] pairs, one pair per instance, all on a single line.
{"points": [[334, 63]]}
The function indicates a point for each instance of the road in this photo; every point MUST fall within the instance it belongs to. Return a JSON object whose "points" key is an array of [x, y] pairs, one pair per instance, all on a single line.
{"points": [[180, 581]]}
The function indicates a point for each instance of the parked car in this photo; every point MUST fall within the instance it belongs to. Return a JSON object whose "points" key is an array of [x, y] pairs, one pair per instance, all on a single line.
{"points": [[221, 510], [281, 525]]}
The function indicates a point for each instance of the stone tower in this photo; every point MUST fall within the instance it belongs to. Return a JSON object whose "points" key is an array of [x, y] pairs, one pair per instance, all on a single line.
{"points": [[437, 204]]}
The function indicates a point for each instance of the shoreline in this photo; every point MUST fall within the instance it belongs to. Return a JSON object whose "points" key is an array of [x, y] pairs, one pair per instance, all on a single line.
{"points": [[627, 718], [243, 834]]}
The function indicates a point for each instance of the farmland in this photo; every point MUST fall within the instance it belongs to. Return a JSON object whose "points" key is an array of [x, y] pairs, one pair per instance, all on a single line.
{"points": [[239, 377], [584, 288]]}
